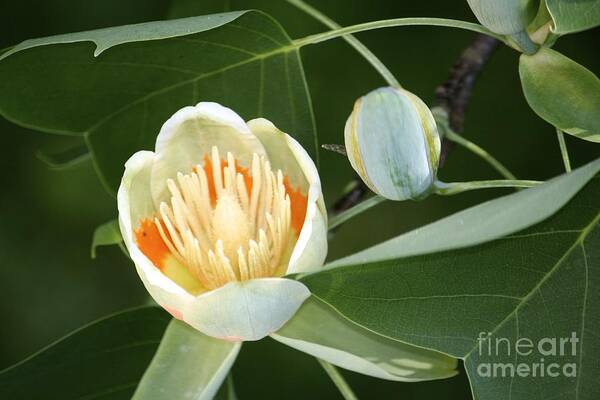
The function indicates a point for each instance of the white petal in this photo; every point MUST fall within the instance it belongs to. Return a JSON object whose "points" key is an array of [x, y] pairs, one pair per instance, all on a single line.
{"points": [[134, 203], [287, 154], [319, 330], [311, 248], [187, 365], [248, 310], [280, 155], [189, 135]]}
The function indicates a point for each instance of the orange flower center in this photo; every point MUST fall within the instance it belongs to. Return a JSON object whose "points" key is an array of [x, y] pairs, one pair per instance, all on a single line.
{"points": [[224, 223]]}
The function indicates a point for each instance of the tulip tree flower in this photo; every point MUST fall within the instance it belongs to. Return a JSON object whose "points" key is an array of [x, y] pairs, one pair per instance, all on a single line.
{"points": [[214, 219]]}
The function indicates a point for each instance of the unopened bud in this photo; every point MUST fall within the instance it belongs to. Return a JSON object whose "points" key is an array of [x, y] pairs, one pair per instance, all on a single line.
{"points": [[392, 142]]}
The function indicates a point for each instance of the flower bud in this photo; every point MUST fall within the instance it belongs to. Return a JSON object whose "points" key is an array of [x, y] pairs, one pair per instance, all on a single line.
{"points": [[392, 142], [505, 17], [508, 17]]}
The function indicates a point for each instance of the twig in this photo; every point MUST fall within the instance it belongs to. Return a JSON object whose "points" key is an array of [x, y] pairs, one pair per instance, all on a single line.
{"points": [[354, 195], [454, 94], [563, 149], [497, 165], [353, 41], [338, 380], [364, 205]]}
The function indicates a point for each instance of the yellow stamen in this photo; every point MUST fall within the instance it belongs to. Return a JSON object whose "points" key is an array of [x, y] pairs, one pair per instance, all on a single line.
{"points": [[244, 235]]}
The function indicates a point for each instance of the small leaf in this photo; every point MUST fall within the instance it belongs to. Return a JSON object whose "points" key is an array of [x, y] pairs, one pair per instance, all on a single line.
{"points": [[541, 282], [104, 359], [562, 92], [106, 234], [117, 86], [187, 364], [574, 15], [319, 330]]}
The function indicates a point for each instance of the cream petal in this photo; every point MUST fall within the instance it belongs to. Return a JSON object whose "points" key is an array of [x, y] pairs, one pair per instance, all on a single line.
{"points": [[134, 203], [189, 135], [319, 330], [248, 310], [310, 171], [311, 248], [287, 154], [278, 151]]}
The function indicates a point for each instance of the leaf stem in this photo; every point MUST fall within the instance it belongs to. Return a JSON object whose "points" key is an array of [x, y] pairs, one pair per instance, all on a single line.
{"points": [[563, 149], [4, 50], [479, 151], [339, 381], [388, 23], [354, 211], [446, 189], [354, 42]]}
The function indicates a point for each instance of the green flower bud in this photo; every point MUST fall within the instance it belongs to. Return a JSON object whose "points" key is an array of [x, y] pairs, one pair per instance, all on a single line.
{"points": [[505, 17], [392, 142], [508, 17]]}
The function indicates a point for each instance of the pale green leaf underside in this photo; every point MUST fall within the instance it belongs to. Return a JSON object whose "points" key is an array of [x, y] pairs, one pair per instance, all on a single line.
{"points": [[106, 234], [541, 282], [319, 330], [120, 99], [104, 360], [482, 223], [187, 365], [574, 15]]}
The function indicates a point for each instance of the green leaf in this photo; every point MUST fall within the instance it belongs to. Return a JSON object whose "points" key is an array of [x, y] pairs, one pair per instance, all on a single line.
{"points": [[319, 330], [187, 364], [485, 222], [105, 359], [562, 92], [144, 73], [541, 282], [109, 37], [65, 159], [574, 15], [106, 234]]}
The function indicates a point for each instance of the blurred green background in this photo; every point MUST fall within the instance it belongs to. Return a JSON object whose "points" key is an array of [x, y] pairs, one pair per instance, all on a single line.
{"points": [[49, 283]]}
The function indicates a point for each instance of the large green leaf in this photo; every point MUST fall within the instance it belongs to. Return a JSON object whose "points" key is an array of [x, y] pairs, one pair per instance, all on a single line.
{"points": [[562, 92], [105, 359], [541, 282], [574, 15], [187, 365], [119, 95]]}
